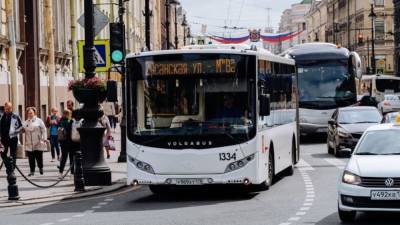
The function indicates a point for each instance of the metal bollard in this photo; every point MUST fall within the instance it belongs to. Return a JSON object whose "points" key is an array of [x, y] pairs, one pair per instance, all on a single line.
{"points": [[13, 193], [78, 175]]}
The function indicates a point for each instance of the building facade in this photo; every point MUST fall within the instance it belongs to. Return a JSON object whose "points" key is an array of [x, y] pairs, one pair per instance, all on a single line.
{"points": [[293, 20], [46, 34], [348, 23]]}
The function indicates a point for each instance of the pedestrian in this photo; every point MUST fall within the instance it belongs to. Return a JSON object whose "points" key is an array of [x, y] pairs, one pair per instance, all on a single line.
{"points": [[70, 105], [52, 123], [64, 129], [35, 140], [10, 128], [110, 112], [108, 133]]}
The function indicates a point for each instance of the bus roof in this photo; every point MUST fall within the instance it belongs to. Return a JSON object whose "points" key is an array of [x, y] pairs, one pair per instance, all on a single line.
{"points": [[219, 49], [317, 51], [379, 76]]}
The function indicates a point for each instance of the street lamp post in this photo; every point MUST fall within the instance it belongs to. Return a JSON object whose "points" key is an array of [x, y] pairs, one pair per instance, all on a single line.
{"points": [[95, 170], [372, 15], [184, 25]]}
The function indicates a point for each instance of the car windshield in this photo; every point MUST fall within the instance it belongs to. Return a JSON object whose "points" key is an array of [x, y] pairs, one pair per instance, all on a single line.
{"points": [[382, 142], [388, 85], [359, 116], [324, 86]]}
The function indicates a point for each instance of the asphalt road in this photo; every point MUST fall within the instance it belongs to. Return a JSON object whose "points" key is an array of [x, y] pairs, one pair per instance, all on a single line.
{"points": [[306, 198]]}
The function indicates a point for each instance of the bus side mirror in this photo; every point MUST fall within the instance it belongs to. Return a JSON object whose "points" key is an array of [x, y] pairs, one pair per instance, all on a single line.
{"points": [[265, 105], [355, 65], [112, 91]]}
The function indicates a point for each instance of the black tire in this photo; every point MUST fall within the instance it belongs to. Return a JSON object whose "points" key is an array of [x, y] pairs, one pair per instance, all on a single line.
{"points": [[330, 149], [271, 169], [347, 216], [159, 189], [290, 170]]}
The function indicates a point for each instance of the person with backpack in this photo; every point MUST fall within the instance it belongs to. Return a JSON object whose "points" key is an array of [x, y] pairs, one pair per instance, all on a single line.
{"points": [[64, 137], [52, 123], [10, 128]]}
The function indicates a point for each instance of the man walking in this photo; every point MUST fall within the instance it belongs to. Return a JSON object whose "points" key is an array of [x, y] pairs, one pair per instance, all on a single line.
{"points": [[10, 127]]}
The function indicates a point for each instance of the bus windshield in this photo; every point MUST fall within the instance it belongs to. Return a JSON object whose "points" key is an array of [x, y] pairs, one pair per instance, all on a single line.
{"points": [[195, 110], [325, 86]]}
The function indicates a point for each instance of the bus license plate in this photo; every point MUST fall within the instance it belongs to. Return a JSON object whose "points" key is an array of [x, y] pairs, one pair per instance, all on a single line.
{"points": [[385, 195], [188, 182]]}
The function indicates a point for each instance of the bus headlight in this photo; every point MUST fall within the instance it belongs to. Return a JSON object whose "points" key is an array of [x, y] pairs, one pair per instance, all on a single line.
{"points": [[141, 165], [239, 164]]}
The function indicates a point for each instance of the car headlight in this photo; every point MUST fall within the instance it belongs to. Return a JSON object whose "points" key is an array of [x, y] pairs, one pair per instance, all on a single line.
{"points": [[351, 178], [343, 133]]}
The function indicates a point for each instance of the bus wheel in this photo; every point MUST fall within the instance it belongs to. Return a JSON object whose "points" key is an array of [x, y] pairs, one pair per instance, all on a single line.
{"points": [[159, 189], [290, 169]]}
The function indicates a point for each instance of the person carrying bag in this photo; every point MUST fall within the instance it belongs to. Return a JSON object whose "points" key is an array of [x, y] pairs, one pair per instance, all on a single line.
{"points": [[35, 140]]}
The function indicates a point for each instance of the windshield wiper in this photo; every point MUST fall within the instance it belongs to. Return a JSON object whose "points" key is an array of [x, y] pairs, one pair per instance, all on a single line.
{"points": [[366, 153], [367, 122], [397, 153]]}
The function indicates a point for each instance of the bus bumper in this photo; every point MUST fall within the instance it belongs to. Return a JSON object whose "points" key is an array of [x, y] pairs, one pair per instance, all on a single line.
{"points": [[309, 128], [245, 175]]}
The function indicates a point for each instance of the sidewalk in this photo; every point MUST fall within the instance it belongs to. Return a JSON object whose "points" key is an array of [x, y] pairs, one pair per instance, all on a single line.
{"points": [[30, 194]]}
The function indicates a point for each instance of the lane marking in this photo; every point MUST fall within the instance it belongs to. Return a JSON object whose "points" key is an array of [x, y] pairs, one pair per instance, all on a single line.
{"points": [[64, 220], [103, 203], [47, 224], [336, 162], [294, 218], [284, 223], [89, 211], [304, 166], [300, 213], [305, 208], [96, 207], [78, 215]]}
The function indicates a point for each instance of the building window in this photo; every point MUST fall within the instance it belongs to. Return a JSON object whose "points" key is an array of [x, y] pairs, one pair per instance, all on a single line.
{"points": [[379, 29], [379, 3]]}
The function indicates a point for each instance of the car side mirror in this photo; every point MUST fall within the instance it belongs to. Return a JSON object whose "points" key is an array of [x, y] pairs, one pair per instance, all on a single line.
{"points": [[265, 105]]}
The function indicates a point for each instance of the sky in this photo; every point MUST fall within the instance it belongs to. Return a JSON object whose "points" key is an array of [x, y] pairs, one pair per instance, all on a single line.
{"points": [[244, 14]]}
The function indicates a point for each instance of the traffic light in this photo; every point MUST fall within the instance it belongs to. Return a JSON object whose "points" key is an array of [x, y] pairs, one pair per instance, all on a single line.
{"points": [[117, 39], [360, 39]]}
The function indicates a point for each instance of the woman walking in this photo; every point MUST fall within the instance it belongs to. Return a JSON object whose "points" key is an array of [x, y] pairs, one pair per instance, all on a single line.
{"points": [[35, 140], [64, 136], [52, 123], [108, 133]]}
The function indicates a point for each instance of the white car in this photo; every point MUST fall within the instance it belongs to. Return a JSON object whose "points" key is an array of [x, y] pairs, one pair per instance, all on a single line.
{"points": [[389, 104], [371, 179]]}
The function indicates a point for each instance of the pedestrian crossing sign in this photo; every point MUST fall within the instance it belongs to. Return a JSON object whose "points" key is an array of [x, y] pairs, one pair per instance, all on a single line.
{"points": [[101, 55]]}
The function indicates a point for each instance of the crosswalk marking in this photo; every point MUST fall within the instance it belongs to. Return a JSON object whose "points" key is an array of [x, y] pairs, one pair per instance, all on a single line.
{"points": [[336, 162]]}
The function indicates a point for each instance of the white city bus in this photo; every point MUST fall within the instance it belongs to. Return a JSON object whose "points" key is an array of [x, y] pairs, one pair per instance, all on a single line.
{"points": [[326, 76], [378, 85], [210, 115]]}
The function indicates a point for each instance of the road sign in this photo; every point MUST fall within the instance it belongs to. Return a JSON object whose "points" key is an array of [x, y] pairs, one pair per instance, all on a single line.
{"points": [[101, 55], [100, 20]]}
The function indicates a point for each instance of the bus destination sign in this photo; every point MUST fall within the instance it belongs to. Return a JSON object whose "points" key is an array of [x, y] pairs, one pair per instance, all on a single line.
{"points": [[196, 67]]}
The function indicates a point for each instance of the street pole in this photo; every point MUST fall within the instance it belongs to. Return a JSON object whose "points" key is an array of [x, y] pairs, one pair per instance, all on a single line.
{"points": [[122, 155], [396, 4], [147, 15], [12, 54], [167, 23], [176, 29], [373, 16], [368, 58]]}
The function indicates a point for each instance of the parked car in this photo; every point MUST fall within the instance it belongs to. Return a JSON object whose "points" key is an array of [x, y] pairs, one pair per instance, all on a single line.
{"points": [[389, 104], [390, 117], [348, 124], [371, 179]]}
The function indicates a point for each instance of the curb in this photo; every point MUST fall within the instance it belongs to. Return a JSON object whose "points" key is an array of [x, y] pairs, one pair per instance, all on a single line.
{"points": [[91, 191]]}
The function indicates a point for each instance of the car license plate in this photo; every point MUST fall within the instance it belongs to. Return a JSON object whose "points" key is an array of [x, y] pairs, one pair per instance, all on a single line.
{"points": [[189, 181], [385, 195]]}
